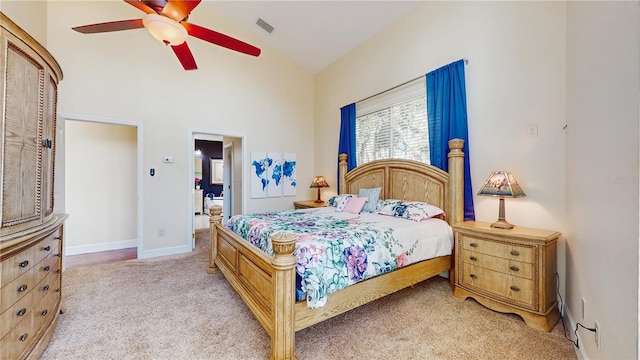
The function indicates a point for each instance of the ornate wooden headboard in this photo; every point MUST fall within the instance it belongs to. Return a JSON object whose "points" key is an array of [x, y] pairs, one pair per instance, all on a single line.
{"points": [[412, 180]]}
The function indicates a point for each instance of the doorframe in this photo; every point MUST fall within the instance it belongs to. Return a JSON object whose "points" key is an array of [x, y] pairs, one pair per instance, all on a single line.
{"points": [[139, 169], [228, 161], [191, 135]]}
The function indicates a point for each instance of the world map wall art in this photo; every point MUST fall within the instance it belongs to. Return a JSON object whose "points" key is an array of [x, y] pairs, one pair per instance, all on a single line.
{"points": [[272, 174]]}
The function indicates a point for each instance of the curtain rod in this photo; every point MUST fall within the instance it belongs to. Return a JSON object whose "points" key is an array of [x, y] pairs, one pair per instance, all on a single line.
{"points": [[466, 62]]}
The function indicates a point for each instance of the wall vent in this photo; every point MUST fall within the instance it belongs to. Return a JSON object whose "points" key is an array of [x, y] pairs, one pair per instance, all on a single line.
{"points": [[263, 24]]}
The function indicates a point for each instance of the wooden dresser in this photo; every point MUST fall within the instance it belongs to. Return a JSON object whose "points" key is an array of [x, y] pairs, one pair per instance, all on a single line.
{"points": [[511, 271], [30, 233]]}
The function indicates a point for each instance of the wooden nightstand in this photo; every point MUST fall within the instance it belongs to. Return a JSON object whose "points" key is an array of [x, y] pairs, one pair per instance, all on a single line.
{"points": [[306, 204], [510, 271]]}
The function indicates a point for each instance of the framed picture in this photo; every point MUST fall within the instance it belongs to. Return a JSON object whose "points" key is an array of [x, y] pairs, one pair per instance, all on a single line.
{"points": [[216, 171]]}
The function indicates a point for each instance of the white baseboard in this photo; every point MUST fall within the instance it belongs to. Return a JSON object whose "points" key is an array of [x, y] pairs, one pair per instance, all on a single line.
{"points": [[571, 331], [91, 248], [164, 252]]}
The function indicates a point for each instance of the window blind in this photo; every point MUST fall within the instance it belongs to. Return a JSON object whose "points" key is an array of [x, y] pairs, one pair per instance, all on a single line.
{"points": [[394, 125]]}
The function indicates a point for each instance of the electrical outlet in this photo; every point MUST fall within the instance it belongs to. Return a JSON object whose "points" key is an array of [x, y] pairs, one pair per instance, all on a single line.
{"points": [[598, 335], [160, 232]]}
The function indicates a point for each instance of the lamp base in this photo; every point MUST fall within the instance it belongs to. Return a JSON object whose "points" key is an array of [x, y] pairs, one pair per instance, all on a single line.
{"points": [[318, 200], [502, 224]]}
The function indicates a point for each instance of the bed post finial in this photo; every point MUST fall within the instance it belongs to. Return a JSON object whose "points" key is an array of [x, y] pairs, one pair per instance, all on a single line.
{"points": [[342, 170], [215, 218], [456, 181], [284, 278]]}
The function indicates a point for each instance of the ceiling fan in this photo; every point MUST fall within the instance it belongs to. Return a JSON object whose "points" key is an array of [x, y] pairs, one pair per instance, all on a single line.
{"points": [[166, 20]]}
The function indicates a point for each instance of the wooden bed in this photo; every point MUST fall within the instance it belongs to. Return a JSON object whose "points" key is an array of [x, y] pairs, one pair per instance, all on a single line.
{"points": [[267, 284]]}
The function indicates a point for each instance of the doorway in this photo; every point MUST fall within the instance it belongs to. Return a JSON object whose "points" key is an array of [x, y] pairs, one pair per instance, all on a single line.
{"points": [[217, 163], [96, 150]]}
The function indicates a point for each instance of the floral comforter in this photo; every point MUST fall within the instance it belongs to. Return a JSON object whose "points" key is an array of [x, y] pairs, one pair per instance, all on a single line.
{"points": [[335, 250]]}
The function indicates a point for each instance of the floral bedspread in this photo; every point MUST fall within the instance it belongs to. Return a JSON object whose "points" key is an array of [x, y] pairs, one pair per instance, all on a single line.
{"points": [[333, 251]]}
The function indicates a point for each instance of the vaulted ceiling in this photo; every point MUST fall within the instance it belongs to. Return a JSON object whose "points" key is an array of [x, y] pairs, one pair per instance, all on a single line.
{"points": [[314, 34]]}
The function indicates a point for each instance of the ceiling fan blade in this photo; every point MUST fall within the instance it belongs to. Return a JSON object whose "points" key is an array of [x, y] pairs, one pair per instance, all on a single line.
{"points": [[140, 5], [110, 26], [185, 56], [178, 10], [217, 38]]}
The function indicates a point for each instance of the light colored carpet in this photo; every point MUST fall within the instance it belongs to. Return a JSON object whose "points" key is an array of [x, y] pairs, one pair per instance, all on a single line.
{"points": [[170, 308]]}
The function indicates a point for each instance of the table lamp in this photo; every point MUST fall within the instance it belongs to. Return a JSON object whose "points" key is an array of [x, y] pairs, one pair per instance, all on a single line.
{"points": [[501, 184], [319, 182]]}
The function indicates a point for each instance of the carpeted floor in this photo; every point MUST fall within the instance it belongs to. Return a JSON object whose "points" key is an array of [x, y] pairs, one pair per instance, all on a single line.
{"points": [[170, 308]]}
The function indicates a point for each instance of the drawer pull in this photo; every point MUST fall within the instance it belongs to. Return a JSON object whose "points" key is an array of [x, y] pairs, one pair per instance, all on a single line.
{"points": [[22, 288], [58, 238], [473, 276], [46, 248], [514, 288], [46, 268], [58, 271], [514, 253], [473, 258], [514, 268], [45, 288], [473, 244], [23, 337], [44, 313], [21, 312], [58, 255], [24, 264]]}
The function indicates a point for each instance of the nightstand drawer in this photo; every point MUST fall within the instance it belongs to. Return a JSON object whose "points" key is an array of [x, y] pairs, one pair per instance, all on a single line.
{"points": [[505, 266], [498, 249], [510, 288]]}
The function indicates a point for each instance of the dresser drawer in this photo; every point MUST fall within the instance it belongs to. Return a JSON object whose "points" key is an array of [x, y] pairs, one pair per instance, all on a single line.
{"points": [[17, 265], [14, 343], [50, 245], [508, 288], [44, 310], [505, 266], [498, 249], [16, 313], [16, 290]]}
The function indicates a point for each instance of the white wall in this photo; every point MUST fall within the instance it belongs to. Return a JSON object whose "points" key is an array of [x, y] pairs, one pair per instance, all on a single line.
{"points": [[31, 16], [100, 187], [602, 174], [129, 76]]}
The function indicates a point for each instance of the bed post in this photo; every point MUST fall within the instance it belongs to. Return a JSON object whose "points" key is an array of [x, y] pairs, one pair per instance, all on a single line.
{"points": [[342, 171], [283, 277], [456, 181], [215, 218]]}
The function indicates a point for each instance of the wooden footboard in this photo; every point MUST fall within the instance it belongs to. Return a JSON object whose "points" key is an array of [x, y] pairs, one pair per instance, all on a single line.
{"points": [[267, 284], [259, 279]]}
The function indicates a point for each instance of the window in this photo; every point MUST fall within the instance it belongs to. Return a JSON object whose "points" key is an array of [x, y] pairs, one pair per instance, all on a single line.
{"points": [[393, 125]]}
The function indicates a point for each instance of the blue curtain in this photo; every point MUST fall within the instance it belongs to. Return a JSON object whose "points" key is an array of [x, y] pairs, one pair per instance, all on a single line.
{"points": [[447, 111], [347, 144]]}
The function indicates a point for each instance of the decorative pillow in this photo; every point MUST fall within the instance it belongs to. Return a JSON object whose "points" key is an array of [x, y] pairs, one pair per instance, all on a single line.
{"points": [[336, 199], [372, 194], [411, 210], [386, 207], [355, 204], [342, 201]]}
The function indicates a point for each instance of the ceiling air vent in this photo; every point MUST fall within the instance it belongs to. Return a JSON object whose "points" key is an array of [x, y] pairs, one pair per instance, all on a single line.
{"points": [[263, 24]]}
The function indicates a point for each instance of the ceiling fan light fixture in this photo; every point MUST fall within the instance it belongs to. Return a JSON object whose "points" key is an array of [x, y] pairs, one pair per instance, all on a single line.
{"points": [[164, 29]]}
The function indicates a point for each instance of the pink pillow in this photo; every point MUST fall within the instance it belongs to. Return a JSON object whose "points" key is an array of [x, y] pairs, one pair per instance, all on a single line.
{"points": [[355, 204]]}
